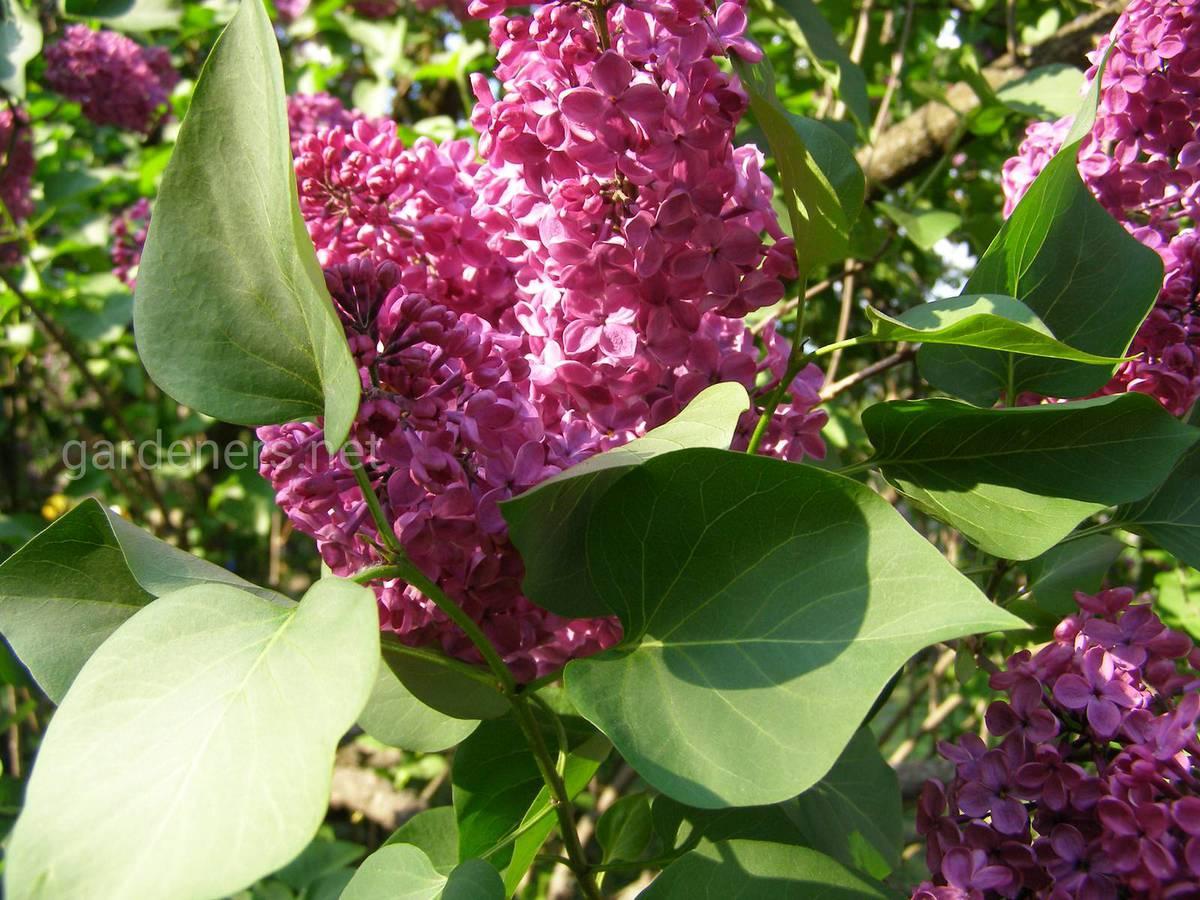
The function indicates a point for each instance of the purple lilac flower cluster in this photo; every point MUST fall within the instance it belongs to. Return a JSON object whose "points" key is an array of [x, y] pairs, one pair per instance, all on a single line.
{"points": [[1142, 161], [116, 81], [16, 179], [1093, 791], [513, 312]]}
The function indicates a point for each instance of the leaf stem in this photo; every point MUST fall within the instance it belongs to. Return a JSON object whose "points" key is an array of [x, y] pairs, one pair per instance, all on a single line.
{"points": [[560, 797], [797, 360], [382, 526]]}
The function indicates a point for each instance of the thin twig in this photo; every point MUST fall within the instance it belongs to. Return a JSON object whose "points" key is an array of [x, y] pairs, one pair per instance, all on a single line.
{"points": [[843, 321], [893, 80], [903, 355]]}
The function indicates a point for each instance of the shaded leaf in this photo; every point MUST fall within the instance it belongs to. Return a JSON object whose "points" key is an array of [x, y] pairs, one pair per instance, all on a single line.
{"points": [[231, 311], [625, 828], [758, 869], [68, 589], [771, 603], [474, 879], [447, 686], [823, 49], [1016, 481], [435, 833], [984, 320], [395, 717], [1171, 515], [582, 763], [1057, 574], [823, 186], [854, 813], [128, 15], [184, 716], [497, 782], [548, 524]]}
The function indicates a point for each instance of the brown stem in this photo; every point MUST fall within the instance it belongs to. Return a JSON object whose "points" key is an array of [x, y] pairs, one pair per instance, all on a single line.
{"points": [[903, 355]]}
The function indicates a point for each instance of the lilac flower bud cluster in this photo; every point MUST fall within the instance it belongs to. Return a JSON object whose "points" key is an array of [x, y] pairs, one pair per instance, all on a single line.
{"points": [[128, 238], [116, 81], [1142, 161], [16, 179], [1094, 789], [515, 314]]}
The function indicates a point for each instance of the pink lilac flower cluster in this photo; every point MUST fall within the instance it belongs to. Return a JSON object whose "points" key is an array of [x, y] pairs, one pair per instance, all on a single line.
{"points": [[117, 81], [128, 238], [16, 179], [513, 312], [1142, 161], [1094, 789]]}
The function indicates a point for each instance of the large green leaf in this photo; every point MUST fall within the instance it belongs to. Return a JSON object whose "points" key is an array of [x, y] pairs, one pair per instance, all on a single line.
{"points": [[823, 186], [822, 47], [989, 321], [68, 589], [765, 606], [231, 311], [548, 524], [20, 42], [195, 748], [1055, 576], [757, 869], [854, 813], [1016, 481], [1171, 515], [498, 786], [1064, 256], [395, 717]]}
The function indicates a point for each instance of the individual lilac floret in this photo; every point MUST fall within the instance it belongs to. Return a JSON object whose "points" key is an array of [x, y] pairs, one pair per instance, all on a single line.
{"points": [[1092, 791], [116, 81], [1142, 161]]}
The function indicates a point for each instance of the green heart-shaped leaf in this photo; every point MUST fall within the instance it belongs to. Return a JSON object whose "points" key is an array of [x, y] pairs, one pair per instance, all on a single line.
{"points": [[765, 606], [231, 311], [169, 749], [548, 524], [68, 589], [1017, 481]]}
